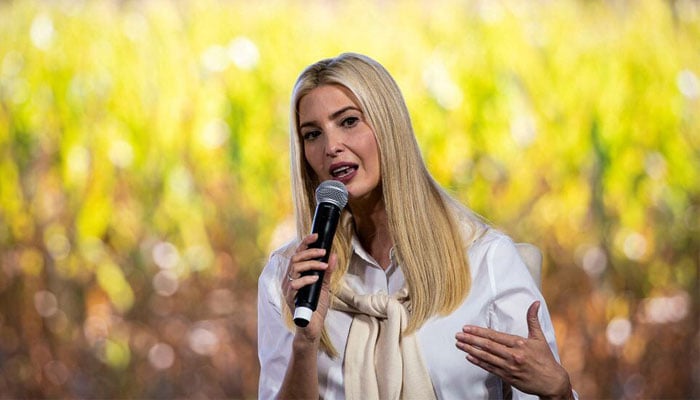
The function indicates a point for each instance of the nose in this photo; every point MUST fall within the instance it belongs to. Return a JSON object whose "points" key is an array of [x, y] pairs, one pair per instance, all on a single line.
{"points": [[334, 144]]}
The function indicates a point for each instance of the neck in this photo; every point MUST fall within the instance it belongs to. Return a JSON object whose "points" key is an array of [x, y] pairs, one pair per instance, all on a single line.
{"points": [[372, 229]]}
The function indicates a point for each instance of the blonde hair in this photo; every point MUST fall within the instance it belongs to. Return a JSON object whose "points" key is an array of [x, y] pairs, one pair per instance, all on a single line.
{"points": [[429, 229]]}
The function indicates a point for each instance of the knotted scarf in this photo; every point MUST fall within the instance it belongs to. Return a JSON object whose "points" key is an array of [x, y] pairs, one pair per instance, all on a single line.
{"points": [[380, 362]]}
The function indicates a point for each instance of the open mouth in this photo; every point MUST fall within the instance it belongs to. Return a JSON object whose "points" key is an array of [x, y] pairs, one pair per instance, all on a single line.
{"points": [[343, 171]]}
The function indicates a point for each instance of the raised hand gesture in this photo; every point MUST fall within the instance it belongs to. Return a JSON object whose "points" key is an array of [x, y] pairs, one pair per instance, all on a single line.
{"points": [[524, 363]]}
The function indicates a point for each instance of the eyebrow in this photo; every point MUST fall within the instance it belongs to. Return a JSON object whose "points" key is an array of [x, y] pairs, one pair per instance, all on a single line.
{"points": [[332, 116]]}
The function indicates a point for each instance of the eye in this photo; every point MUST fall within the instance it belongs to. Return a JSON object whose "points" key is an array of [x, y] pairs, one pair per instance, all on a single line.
{"points": [[349, 122], [310, 135]]}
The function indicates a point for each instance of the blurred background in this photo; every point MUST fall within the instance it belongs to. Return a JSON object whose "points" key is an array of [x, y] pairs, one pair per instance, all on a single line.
{"points": [[144, 176]]}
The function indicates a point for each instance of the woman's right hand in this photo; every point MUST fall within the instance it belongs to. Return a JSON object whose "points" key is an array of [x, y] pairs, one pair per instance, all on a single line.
{"points": [[301, 378], [305, 259]]}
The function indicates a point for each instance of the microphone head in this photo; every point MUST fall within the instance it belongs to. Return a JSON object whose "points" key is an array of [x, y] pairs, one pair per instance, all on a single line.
{"points": [[333, 192]]}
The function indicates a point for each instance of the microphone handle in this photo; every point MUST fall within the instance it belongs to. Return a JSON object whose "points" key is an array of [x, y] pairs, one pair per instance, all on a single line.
{"points": [[325, 223]]}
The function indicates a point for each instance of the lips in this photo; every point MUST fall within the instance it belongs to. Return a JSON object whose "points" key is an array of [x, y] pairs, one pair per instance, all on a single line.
{"points": [[343, 172]]}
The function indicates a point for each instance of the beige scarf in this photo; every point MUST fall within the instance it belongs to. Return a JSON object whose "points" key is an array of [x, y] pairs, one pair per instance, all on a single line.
{"points": [[381, 363]]}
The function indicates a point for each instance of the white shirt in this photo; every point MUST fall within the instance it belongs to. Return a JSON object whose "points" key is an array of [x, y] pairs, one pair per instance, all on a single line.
{"points": [[502, 290]]}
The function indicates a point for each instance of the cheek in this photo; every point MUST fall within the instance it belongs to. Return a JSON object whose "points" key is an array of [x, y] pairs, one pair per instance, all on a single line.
{"points": [[312, 159], [372, 151], [308, 153]]}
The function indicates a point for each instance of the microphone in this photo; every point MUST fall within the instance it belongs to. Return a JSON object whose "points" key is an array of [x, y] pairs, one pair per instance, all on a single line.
{"points": [[331, 198]]}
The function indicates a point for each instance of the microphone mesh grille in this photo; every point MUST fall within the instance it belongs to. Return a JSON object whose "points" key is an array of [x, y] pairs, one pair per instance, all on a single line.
{"points": [[333, 192]]}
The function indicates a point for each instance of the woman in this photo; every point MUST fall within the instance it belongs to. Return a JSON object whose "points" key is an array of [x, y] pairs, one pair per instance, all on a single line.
{"points": [[415, 282]]}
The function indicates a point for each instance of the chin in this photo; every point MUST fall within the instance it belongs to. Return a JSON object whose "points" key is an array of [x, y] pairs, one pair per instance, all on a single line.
{"points": [[357, 193]]}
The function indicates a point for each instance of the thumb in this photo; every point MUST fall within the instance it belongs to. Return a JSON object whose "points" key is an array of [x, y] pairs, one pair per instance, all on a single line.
{"points": [[534, 331]]}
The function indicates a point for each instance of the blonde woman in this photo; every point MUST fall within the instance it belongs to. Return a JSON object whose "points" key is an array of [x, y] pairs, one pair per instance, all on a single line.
{"points": [[421, 299]]}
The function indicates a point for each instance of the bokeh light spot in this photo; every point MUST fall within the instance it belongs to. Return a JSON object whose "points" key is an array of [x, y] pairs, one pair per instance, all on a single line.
{"points": [[441, 86], [523, 129], [42, 32], [203, 340], [666, 309], [221, 301], [56, 372], [593, 260], [56, 242], [165, 283], [655, 165], [243, 53], [161, 356], [180, 182], [688, 84], [121, 154], [45, 303], [635, 246], [166, 255], [78, 161], [618, 331], [215, 133]]}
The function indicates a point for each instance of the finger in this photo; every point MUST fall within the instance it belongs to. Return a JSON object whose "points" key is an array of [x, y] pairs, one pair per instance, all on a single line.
{"points": [[486, 366], [480, 355], [305, 260], [292, 287], [533, 323], [305, 266], [300, 282], [308, 239], [308, 254], [490, 334], [477, 345]]}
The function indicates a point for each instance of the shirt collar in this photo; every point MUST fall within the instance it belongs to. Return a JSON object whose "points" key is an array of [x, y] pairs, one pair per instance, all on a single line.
{"points": [[366, 257]]}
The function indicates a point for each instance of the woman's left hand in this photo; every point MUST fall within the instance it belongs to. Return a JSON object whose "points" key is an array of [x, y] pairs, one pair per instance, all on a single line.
{"points": [[525, 363]]}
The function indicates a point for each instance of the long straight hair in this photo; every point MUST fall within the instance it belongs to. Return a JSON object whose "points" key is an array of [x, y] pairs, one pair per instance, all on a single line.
{"points": [[430, 230]]}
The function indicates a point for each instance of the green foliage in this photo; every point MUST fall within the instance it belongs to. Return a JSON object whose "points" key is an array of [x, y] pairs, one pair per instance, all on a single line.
{"points": [[144, 175]]}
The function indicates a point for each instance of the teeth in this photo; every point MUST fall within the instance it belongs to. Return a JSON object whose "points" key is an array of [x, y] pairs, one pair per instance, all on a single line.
{"points": [[341, 171]]}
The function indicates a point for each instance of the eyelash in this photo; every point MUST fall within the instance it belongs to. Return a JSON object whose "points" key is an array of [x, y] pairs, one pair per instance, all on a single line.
{"points": [[311, 135], [348, 122]]}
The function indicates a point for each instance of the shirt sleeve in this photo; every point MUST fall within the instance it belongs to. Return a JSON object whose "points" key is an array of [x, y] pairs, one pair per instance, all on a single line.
{"points": [[514, 291], [274, 337]]}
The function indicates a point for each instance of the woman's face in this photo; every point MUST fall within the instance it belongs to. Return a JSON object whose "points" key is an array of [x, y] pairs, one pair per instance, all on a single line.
{"points": [[338, 142]]}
